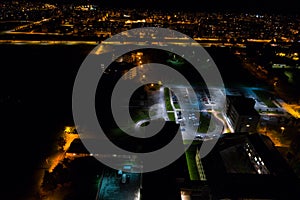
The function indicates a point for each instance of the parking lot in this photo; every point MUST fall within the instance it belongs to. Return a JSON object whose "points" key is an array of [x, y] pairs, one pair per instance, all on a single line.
{"points": [[113, 187]]}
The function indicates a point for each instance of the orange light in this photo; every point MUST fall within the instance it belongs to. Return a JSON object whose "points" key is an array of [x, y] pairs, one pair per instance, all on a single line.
{"points": [[68, 129]]}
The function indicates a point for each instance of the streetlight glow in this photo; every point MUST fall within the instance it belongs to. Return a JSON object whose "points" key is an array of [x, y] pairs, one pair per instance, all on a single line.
{"points": [[282, 129]]}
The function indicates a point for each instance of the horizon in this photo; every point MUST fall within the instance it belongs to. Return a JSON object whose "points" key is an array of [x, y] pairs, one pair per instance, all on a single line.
{"points": [[285, 7]]}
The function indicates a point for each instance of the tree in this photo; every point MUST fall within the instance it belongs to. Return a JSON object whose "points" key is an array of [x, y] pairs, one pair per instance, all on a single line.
{"points": [[48, 182], [61, 142]]}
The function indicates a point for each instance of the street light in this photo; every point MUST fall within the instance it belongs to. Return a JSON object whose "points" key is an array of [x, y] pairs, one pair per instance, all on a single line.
{"points": [[282, 129]]}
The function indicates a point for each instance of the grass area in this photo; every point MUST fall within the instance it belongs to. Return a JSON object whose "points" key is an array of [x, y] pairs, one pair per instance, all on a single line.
{"points": [[145, 124], [139, 114], [176, 105], [167, 99], [191, 163], [171, 116], [204, 122], [192, 142], [117, 133], [265, 97]]}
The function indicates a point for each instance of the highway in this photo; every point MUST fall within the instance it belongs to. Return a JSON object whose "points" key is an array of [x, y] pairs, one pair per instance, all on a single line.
{"points": [[30, 23], [89, 42], [47, 42]]}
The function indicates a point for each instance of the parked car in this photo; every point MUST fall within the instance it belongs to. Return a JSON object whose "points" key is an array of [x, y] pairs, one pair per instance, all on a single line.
{"points": [[124, 178]]}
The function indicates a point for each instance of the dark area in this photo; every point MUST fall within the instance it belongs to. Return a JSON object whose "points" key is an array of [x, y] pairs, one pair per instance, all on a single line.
{"points": [[165, 183], [231, 68], [35, 102], [79, 177], [77, 147]]}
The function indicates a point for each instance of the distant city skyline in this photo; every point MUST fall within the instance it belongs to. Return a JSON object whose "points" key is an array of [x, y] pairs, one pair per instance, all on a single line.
{"points": [[288, 6]]}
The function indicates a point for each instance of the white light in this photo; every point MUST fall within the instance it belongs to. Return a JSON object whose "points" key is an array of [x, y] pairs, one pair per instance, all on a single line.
{"points": [[137, 195]]}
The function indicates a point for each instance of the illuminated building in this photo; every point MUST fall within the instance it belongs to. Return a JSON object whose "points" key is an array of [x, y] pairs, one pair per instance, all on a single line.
{"points": [[241, 113], [247, 166]]}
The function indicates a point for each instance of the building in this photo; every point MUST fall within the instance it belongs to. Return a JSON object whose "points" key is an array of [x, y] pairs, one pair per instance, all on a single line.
{"points": [[241, 114], [247, 166]]}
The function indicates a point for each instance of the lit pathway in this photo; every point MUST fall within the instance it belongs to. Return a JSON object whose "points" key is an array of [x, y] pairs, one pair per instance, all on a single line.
{"points": [[293, 109], [56, 159]]}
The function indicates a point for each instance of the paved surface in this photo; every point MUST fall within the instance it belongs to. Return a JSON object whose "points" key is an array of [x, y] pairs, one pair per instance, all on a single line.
{"points": [[111, 187], [191, 106]]}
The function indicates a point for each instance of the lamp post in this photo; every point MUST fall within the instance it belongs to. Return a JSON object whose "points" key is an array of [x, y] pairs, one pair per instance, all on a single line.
{"points": [[282, 129]]}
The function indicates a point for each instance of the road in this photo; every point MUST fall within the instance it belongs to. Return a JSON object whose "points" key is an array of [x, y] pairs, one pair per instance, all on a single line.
{"points": [[47, 42], [30, 23], [188, 107]]}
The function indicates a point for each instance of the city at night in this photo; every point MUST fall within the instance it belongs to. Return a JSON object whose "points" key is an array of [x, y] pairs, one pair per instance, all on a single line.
{"points": [[150, 100]]}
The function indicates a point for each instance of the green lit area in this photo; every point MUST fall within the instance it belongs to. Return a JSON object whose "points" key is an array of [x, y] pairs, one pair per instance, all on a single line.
{"points": [[167, 99], [171, 116], [205, 121], [290, 76], [191, 162], [265, 97], [176, 105], [139, 114]]}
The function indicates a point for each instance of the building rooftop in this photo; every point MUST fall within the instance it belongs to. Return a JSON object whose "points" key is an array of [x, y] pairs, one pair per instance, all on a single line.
{"points": [[243, 165], [243, 105]]}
